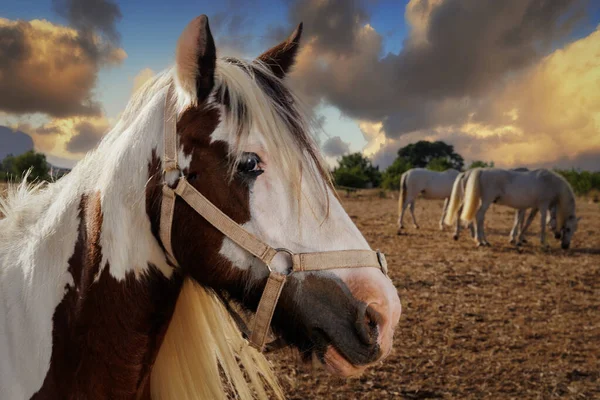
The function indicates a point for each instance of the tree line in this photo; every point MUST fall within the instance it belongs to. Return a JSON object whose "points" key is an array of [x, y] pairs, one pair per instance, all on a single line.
{"points": [[354, 170], [15, 167], [357, 171]]}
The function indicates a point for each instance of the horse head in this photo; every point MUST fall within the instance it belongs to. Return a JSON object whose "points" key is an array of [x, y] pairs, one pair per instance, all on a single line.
{"points": [[244, 142]]}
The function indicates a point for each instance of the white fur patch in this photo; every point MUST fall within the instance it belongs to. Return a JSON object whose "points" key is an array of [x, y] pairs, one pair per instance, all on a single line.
{"points": [[38, 236]]}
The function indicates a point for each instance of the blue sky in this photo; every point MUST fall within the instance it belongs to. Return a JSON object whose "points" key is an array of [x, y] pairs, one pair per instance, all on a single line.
{"points": [[149, 30]]}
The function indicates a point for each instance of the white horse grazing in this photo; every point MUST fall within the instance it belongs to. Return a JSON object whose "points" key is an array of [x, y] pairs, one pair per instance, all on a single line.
{"points": [[539, 189], [432, 184], [456, 204]]}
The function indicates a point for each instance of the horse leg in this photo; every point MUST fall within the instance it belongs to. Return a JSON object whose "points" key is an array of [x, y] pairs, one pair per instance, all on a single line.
{"points": [[472, 229], [412, 212], [519, 217], [532, 215], [444, 211], [457, 228], [401, 217], [543, 215], [480, 219]]}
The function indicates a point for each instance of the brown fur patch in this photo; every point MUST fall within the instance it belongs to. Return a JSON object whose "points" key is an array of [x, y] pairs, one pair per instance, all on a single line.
{"points": [[106, 334]]}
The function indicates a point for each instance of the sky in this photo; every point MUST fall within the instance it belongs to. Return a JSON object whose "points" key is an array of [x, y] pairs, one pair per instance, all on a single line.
{"points": [[516, 82]]}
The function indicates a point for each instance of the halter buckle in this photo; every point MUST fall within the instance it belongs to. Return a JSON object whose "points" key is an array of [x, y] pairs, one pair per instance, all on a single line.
{"points": [[283, 250], [169, 165]]}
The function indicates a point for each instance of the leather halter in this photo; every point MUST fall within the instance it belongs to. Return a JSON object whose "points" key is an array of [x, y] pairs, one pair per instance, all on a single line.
{"points": [[316, 261]]}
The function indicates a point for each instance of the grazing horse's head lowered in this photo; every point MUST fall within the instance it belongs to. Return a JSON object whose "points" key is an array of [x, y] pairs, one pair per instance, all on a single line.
{"points": [[119, 290]]}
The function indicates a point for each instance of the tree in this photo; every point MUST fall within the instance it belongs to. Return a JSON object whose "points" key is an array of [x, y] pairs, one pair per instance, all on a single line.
{"points": [[391, 176], [15, 167], [421, 153], [481, 164], [439, 164], [355, 170]]}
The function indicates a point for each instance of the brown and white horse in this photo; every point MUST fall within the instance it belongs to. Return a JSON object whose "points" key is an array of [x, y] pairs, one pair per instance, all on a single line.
{"points": [[91, 307]]}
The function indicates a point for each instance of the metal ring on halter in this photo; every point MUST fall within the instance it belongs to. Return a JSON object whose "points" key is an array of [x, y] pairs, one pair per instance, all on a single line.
{"points": [[176, 168], [283, 250]]}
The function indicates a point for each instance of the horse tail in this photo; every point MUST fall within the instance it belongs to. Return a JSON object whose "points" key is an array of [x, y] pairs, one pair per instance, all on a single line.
{"points": [[454, 205], [402, 198], [472, 196]]}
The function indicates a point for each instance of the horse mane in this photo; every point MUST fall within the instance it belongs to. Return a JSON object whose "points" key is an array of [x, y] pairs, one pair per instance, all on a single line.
{"points": [[204, 356], [19, 196], [257, 100]]}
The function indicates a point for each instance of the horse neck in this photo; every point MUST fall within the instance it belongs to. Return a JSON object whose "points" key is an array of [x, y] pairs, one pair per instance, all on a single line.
{"points": [[124, 320], [566, 202], [98, 268]]}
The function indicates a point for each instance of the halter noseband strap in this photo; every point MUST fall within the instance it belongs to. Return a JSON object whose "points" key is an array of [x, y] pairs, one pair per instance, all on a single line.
{"points": [[316, 261]]}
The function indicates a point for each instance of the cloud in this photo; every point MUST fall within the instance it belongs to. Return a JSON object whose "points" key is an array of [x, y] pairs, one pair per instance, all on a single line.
{"points": [[457, 50], [483, 75], [142, 77], [49, 69], [335, 147], [66, 138], [97, 16], [87, 135]]}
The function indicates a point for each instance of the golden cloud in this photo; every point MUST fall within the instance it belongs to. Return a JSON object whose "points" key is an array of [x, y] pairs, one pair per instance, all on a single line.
{"points": [[66, 138], [51, 69], [550, 114]]}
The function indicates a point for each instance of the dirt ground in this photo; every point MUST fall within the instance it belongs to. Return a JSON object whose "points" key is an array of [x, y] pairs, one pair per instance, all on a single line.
{"points": [[494, 323]]}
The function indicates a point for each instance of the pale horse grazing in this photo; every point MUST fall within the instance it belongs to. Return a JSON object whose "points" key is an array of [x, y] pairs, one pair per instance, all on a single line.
{"points": [[432, 184], [539, 189], [456, 204]]}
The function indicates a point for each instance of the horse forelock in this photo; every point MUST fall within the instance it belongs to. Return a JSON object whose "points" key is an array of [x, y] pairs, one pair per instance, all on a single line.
{"points": [[259, 105]]}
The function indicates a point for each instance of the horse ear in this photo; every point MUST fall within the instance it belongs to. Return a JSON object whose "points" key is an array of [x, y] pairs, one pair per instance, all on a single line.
{"points": [[281, 57], [196, 58]]}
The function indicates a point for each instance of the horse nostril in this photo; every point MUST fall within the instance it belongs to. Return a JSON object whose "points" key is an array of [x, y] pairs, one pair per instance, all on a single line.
{"points": [[367, 324]]}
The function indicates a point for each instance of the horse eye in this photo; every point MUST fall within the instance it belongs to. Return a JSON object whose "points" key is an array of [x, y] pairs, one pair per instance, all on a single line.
{"points": [[250, 164]]}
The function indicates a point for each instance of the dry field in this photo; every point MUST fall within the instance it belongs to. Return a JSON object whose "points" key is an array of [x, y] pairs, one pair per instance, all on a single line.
{"points": [[494, 323]]}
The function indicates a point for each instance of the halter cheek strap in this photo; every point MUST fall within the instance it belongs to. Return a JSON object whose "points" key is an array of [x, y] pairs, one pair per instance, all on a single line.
{"points": [[316, 261]]}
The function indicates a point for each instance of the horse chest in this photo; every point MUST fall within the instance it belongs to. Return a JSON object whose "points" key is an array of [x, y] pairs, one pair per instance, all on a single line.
{"points": [[105, 342]]}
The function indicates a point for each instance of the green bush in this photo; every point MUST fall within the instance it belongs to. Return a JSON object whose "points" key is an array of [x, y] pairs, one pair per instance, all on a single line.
{"points": [[356, 171], [582, 182], [15, 167], [481, 164], [391, 176], [439, 164], [421, 153]]}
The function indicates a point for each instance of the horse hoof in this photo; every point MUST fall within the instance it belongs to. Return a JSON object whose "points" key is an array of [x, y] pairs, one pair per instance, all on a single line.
{"points": [[512, 241], [455, 237], [487, 244], [480, 244], [416, 226], [399, 231], [523, 240]]}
